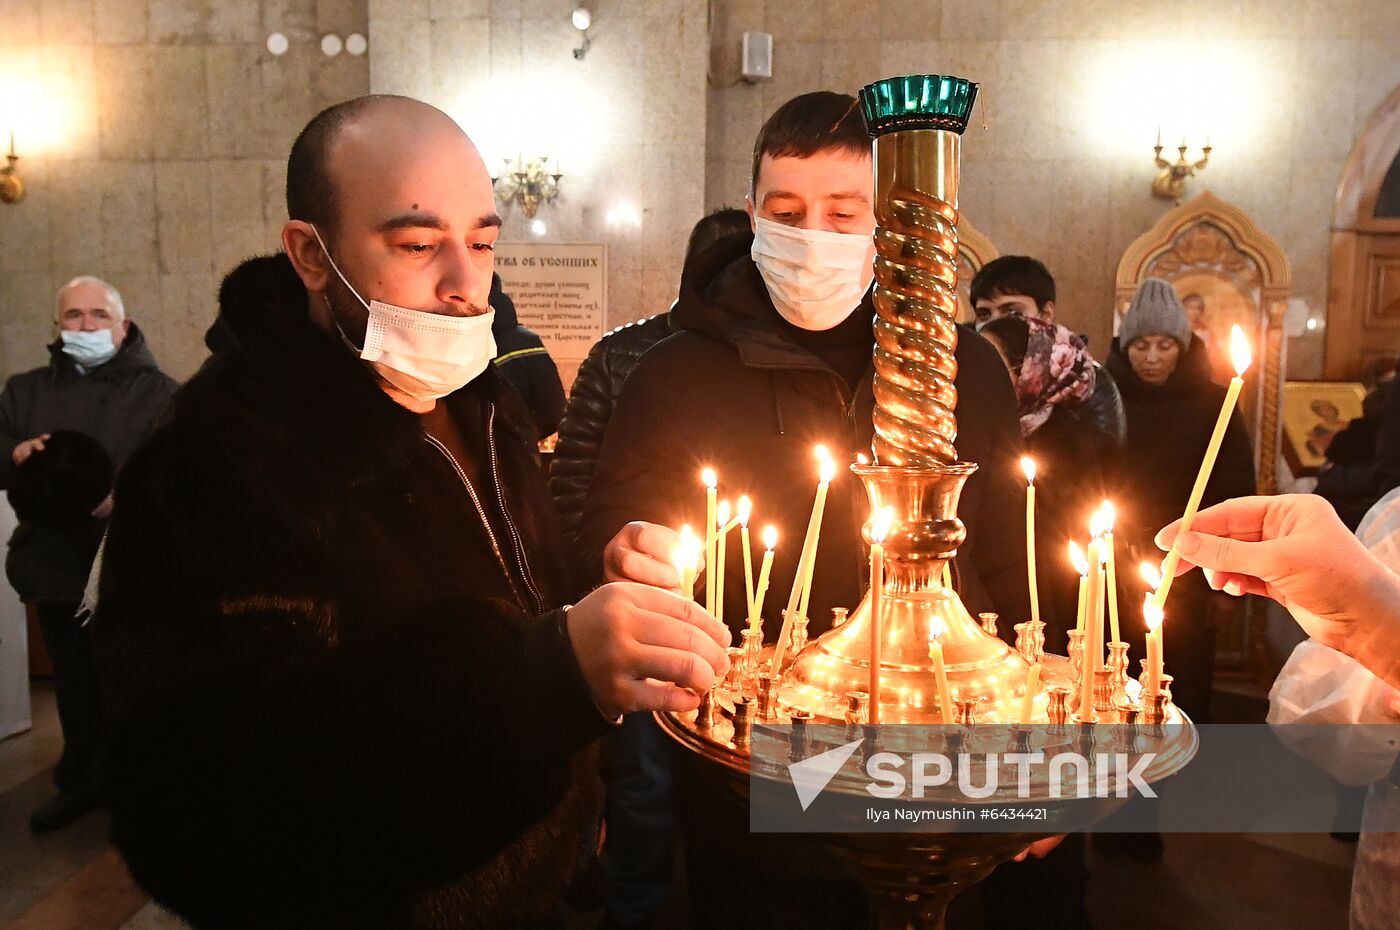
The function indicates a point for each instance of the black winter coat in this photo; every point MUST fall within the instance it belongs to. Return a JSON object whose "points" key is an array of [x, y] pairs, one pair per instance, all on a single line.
{"points": [[730, 390], [117, 404], [595, 392], [523, 361], [1077, 452], [336, 703]]}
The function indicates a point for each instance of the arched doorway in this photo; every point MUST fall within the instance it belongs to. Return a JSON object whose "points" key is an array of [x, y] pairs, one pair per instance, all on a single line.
{"points": [[1363, 300]]}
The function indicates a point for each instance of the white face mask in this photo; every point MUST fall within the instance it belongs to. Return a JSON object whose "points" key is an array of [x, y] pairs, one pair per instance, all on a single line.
{"points": [[816, 278], [424, 355], [88, 349]]}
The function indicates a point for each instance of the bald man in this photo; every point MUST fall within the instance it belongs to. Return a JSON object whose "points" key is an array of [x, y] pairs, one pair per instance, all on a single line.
{"points": [[332, 619], [102, 381]]}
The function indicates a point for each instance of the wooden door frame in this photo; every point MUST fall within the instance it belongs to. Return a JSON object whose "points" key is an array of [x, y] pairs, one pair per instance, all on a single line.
{"points": [[1353, 220]]}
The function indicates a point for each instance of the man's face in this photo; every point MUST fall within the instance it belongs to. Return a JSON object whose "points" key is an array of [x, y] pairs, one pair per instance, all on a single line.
{"points": [[830, 190], [87, 307], [1000, 305], [416, 218]]}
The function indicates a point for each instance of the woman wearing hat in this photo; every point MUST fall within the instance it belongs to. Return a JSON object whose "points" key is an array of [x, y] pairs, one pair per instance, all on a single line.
{"points": [[1163, 373]]}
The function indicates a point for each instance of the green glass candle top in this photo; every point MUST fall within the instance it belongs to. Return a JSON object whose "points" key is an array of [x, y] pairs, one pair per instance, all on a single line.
{"points": [[917, 101]]}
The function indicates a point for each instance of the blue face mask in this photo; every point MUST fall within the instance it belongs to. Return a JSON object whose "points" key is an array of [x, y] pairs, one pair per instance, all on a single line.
{"points": [[88, 349]]}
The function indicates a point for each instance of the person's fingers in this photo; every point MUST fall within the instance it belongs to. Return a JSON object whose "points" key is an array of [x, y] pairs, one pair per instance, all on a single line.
{"points": [[670, 604], [627, 564], [653, 540], [1225, 555], [658, 695], [1021, 856], [667, 632], [677, 666], [1240, 518]]}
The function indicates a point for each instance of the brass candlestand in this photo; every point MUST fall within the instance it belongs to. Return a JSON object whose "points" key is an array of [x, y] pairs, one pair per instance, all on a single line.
{"points": [[916, 122]]}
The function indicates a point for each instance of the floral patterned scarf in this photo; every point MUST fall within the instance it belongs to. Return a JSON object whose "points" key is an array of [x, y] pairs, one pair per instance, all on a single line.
{"points": [[1057, 370]]}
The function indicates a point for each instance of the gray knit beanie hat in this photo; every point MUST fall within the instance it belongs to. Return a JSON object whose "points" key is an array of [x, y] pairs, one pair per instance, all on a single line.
{"points": [[1155, 311]]}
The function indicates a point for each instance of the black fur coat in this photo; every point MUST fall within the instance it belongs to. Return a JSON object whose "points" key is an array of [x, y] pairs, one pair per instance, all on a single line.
{"points": [[331, 705]]}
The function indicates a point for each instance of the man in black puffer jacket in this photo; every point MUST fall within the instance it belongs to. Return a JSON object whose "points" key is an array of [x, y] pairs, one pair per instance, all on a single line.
{"points": [[599, 384], [345, 687]]}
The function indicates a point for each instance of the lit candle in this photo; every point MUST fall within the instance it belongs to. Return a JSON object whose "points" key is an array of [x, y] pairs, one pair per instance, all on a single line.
{"points": [[1151, 575], [1110, 515], [828, 471], [1152, 615], [746, 511], [770, 539], [1028, 466], [1028, 699], [685, 556], [1093, 630], [879, 527], [808, 556], [1239, 354], [1081, 565], [940, 677], [711, 481], [721, 548]]}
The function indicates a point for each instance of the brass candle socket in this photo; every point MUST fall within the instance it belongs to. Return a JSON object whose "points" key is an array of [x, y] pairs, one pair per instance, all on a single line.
{"points": [[11, 186]]}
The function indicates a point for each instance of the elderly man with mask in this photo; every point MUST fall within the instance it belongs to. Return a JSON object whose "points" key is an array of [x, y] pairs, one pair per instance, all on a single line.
{"points": [[771, 356], [101, 381], [347, 688]]}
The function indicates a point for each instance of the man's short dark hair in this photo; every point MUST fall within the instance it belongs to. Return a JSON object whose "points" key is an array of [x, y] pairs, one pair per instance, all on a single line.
{"points": [[1013, 276], [311, 193], [809, 124], [722, 223]]}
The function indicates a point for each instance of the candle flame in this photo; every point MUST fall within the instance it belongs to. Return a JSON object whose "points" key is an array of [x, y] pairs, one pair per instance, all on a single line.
{"points": [[745, 510], [1028, 466], [822, 453], [935, 631], [861, 459], [880, 525], [1078, 559], [827, 471], [687, 551], [1151, 575], [1239, 350], [1151, 613], [770, 536], [1096, 524], [1110, 516], [722, 513], [710, 479]]}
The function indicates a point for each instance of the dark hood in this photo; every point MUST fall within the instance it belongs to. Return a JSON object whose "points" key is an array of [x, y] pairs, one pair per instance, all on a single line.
{"points": [[506, 318], [723, 296], [1191, 375], [132, 355]]}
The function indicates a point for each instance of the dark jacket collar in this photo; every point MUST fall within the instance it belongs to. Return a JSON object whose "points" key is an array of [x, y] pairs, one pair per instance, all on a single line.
{"points": [[723, 296], [132, 355], [331, 393]]}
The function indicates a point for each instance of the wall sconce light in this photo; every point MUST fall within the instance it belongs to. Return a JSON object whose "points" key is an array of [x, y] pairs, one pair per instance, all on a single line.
{"points": [[582, 18], [1170, 183], [529, 183], [11, 187]]}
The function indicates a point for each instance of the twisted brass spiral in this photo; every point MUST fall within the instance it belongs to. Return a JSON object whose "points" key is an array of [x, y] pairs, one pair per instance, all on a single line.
{"points": [[916, 244]]}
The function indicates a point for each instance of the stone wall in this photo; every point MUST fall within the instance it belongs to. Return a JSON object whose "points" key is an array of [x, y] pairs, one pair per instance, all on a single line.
{"points": [[166, 162]]}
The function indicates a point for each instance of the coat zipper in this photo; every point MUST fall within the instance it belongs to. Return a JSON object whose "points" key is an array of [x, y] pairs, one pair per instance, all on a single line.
{"points": [[481, 513], [505, 512]]}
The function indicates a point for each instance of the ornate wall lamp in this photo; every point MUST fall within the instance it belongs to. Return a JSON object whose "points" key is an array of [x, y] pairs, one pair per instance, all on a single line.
{"points": [[11, 187], [529, 183], [1170, 183]]}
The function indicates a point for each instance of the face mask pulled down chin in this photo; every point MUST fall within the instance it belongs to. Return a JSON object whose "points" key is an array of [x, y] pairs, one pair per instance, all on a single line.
{"points": [[815, 277], [88, 349], [424, 355]]}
